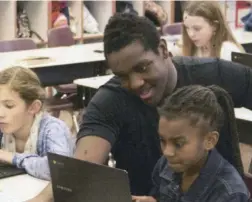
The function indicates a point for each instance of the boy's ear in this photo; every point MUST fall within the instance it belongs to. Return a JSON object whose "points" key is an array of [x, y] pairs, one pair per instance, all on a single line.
{"points": [[210, 140]]}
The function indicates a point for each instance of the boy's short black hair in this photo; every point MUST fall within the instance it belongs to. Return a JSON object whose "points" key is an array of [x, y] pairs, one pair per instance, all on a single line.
{"points": [[125, 28]]}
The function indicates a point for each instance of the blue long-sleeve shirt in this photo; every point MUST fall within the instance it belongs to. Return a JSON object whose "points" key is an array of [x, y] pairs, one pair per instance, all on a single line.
{"points": [[54, 136]]}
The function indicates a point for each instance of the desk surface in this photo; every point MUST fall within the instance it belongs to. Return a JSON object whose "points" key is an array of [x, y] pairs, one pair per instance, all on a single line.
{"points": [[242, 37], [243, 114], [21, 187], [58, 56], [93, 82]]}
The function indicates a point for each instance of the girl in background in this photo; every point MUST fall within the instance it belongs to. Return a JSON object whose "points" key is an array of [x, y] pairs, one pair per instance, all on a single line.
{"points": [[206, 32]]}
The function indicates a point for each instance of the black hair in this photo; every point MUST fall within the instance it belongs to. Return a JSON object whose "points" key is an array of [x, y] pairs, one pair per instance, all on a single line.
{"points": [[214, 106], [125, 28]]}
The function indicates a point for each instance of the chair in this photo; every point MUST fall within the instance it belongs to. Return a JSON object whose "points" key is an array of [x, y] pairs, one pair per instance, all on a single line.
{"points": [[62, 36], [248, 182], [172, 29], [17, 45]]}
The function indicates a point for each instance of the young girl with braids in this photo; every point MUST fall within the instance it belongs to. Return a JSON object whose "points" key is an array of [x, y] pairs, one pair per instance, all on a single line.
{"points": [[191, 169]]}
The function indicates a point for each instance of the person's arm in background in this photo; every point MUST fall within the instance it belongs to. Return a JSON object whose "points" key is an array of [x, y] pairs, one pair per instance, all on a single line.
{"points": [[237, 80], [101, 125]]}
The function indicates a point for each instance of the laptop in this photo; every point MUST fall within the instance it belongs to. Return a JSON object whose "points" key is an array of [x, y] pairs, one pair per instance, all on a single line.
{"points": [[7, 170], [81, 181], [242, 58]]}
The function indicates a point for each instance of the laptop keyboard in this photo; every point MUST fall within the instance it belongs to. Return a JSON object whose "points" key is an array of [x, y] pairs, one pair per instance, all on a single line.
{"points": [[9, 170]]}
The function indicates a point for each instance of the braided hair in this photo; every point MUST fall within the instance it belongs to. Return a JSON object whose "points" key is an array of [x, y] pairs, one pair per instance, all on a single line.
{"points": [[214, 106], [126, 28]]}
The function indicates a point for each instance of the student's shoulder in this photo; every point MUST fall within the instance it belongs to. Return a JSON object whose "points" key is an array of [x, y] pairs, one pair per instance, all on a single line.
{"points": [[162, 163], [195, 68], [230, 182], [162, 168], [203, 66], [111, 93], [50, 123], [191, 62], [113, 85], [53, 133]]}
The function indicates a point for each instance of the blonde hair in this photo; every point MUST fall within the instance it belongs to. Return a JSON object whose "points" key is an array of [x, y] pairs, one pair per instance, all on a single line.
{"points": [[23, 81], [212, 13]]}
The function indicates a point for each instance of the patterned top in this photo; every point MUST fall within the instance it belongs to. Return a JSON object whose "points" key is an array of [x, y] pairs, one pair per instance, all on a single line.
{"points": [[54, 136]]}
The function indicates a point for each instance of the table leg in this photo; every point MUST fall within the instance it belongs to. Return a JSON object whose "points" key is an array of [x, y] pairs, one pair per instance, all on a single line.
{"points": [[79, 100]]}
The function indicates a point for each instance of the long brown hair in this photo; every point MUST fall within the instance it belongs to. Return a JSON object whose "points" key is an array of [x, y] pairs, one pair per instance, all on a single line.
{"points": [[212, 13]]}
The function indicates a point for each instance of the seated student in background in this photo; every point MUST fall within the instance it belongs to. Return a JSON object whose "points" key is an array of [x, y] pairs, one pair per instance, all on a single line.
{"points": [[191, 169], [28, 132], [206, 32]]}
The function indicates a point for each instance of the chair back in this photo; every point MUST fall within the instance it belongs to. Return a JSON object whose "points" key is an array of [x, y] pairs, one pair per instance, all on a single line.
{"points": [[60, 36], [17, 45], [172, 29]]}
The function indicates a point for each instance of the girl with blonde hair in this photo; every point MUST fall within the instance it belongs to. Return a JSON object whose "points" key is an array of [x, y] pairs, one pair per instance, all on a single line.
{"points": [[206, 32], [27, 131]]}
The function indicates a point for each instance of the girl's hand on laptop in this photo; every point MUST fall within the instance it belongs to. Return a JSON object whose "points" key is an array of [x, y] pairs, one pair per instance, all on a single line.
{"points": [[143, 199]]}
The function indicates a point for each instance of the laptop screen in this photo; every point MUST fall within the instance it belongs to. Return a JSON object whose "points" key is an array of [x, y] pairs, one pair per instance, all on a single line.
{"points": [[76, 180]]}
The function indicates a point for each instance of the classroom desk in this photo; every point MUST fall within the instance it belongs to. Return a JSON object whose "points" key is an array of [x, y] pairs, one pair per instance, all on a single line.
{"points": [[62, 65], [21, 188], [93, 82], [244, 125], [242, 36], [243, 114], [87, 87]]}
